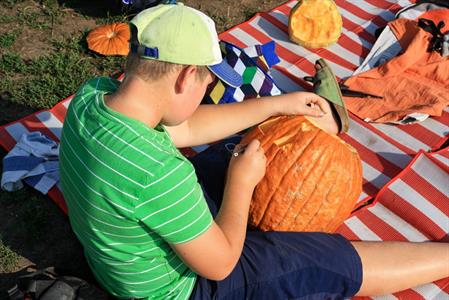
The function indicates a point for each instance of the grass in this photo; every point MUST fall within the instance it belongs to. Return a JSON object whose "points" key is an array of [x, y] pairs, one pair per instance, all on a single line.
{"points": [[7, 39], [8, 258], [49, 78], [39, 83], [28, 206], [249, 12], [4, 19]]}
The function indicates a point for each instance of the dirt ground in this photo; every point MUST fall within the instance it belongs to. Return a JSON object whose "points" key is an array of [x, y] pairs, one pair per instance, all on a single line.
{"points": [[34, 229]]}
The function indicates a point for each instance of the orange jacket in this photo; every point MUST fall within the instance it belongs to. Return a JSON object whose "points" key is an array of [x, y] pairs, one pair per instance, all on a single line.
{"points": [[415, 81]]}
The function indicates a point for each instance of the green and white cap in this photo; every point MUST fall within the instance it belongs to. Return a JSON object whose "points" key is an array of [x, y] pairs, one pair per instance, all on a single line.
{"points": [[180, 34]]}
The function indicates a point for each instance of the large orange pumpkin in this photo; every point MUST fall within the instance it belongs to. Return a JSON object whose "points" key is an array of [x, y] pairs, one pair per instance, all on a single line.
{"points": [[111, 39], [313, 179], [315, 23]]}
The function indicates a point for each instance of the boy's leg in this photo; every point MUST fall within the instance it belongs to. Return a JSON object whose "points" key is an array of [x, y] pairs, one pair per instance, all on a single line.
{"points": [[286, 265], [389, 267], [289, 265]]}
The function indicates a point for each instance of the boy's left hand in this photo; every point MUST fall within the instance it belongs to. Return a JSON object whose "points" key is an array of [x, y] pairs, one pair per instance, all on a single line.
{"points": [[302, 103]]}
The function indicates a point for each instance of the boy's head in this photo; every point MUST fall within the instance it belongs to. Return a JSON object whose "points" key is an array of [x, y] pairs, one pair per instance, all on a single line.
{"points": [[166, 38]]}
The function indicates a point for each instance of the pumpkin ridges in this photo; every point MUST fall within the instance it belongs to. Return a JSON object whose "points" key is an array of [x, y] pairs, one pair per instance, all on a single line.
{"points": [[270, 196], [114, 45], [111, 46], [268, 124], [263, 138], [342, 211], [122, 39], [122, 34], [315, 169], [301, 184], [330, 201], [271, 152], [346, 206], [357, 190], [276, 208], [276, 130], [314, 223], [316, 201], [111, 39], [263, 190], [279, 129], [287, 127]]}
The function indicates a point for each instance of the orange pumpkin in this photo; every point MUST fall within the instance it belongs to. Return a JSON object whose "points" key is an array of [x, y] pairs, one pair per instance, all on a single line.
{"points": [[315, 23], [111, 39], [313, 179]]}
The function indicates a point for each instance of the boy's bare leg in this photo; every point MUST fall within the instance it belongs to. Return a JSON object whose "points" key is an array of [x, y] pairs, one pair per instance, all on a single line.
{"points": [[328, 122], [390, 267]]}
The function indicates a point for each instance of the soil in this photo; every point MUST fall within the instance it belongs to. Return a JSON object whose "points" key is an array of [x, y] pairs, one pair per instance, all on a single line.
{"points": [[48, 240]]}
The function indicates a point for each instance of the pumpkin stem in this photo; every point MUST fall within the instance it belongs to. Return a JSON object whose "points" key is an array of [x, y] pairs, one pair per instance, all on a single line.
{"points": [[111, 34]]}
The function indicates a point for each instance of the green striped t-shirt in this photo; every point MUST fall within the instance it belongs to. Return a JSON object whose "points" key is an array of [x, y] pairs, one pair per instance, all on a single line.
{"points": [[129, 193]]}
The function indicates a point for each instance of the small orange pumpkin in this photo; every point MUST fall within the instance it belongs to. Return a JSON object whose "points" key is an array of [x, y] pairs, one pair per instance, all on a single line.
{"points": [[313, 179], [111, 39], [315, 23]]}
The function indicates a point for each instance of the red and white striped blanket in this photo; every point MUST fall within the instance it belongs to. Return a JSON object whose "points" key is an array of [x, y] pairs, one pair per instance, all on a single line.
{"points": [[404, 177]]}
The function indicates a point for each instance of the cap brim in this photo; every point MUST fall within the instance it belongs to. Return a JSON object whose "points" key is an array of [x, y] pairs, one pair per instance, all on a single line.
{"points": [[227, 74]]}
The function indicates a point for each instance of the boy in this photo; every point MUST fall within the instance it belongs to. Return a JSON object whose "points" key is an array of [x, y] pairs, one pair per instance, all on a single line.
{"points": [[135, 203]]}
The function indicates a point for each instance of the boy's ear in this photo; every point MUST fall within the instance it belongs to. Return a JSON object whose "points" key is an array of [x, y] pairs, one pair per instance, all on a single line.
{"points": [[185, 78]]}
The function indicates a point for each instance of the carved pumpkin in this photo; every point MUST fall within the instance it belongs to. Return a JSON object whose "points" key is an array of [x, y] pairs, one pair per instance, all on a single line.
{"points": [[315, 23], [111, 39], [313, 179]]}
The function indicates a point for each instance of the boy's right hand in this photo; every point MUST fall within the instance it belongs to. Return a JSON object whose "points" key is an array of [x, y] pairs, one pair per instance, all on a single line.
{"points": [[248, 167], [215, 253]]}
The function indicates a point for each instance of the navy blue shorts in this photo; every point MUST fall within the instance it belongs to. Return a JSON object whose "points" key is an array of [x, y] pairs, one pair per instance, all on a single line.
{"points": [[277, 265]]}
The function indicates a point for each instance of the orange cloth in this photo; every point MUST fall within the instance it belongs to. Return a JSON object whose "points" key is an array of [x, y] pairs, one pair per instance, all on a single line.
{"points": [[415, 81]]}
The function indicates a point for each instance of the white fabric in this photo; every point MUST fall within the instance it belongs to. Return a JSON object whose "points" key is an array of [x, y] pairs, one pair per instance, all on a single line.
{"points": [[34, 159]]}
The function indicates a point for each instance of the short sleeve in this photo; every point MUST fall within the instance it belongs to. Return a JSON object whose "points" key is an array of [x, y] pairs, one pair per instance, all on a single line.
{"points": [[173, 204]]}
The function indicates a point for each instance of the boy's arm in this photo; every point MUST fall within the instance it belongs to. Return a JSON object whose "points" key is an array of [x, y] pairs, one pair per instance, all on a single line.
{"points": [[210, 123], [214, 254]]}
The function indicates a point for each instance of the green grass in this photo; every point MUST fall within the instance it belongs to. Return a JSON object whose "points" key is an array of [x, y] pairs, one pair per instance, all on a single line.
{"points": [[11, 3], [8, 258], [40, 16], [6, 19], [7, 39], [53, 77], [35, 222], [12, 63], [41, 82], [249, 12]]}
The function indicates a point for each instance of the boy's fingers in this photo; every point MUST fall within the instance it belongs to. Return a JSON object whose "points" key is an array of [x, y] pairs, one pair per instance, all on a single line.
{"points": [[314, 111], [321, 103], [253, 146]]}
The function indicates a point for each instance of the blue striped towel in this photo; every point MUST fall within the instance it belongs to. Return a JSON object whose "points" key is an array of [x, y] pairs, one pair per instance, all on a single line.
{"points": [[35, 160]]}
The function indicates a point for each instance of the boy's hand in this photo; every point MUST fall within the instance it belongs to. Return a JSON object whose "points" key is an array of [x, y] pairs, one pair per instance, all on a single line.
{"points": [[301, 103], [247, 165]]}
